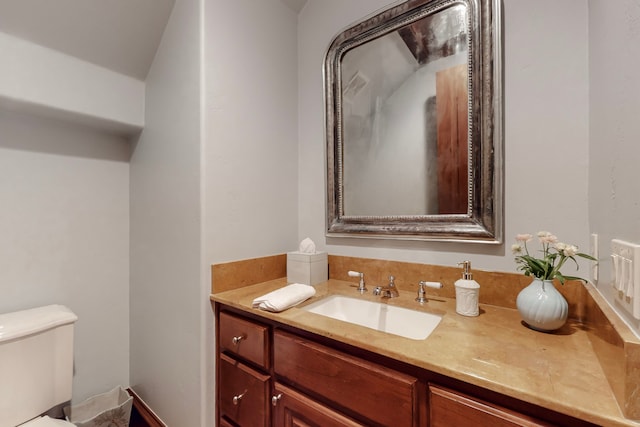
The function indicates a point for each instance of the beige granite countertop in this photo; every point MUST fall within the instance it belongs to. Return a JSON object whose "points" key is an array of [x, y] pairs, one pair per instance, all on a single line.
{"points": [[559, 371]]}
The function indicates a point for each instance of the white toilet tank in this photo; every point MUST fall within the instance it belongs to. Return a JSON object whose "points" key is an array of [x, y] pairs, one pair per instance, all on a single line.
{"points": [[36, 362]]}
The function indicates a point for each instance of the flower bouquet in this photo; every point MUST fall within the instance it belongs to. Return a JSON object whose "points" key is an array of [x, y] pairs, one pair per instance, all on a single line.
{"points": [[554, 255]]}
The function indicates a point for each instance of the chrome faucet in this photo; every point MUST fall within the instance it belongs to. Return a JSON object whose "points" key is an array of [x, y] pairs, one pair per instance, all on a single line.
{"points": [[389, 291]]}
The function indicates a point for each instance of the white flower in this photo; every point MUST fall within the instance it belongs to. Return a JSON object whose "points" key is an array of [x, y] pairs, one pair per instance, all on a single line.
{"points": [[570, 250], [554, 255], [546, 237], [560, 246]]}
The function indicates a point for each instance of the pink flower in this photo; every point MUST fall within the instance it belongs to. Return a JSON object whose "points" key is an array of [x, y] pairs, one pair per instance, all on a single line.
{"points": [[524, 238]]}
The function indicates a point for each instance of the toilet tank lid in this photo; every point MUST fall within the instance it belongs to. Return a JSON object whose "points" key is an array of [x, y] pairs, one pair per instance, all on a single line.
{"points": [[32, 321]]}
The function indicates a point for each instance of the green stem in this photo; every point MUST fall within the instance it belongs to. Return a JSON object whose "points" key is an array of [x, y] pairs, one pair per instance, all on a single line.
{"points": [[557, 268]]}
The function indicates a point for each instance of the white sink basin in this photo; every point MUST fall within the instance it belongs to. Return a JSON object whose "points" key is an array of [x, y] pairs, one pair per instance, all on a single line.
{"points": [[407, 323]]}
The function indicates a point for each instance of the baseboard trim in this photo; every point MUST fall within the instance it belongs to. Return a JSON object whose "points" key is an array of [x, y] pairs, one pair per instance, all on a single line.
{"points": [[149, 417]]}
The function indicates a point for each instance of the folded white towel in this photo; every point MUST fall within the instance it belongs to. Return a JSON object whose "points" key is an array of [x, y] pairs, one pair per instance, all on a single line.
{"points": [[285, 297]]}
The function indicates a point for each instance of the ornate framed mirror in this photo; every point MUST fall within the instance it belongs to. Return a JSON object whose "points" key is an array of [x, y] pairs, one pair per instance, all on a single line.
{"points": [[413, 112]]}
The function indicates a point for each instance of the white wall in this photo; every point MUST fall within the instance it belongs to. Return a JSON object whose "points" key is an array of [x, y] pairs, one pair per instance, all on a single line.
{"points": [[546, 131], [614, 58], [168, 289], [250, 119], [64, 237], [250, 141], [45, 81]]}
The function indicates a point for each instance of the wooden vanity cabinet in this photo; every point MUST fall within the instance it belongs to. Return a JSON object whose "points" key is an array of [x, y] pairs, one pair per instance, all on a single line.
{"points": [[275, 375]]}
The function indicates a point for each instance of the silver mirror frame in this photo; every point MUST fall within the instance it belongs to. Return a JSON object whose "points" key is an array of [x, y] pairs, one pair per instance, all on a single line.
{"points": [[483, 221]]}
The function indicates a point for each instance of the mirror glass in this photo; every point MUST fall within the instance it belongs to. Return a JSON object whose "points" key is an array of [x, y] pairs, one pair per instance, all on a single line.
{"points": [[404, 110], [414, 119]]}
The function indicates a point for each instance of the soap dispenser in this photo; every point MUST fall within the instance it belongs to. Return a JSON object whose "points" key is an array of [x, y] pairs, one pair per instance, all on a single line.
{"points": [[467, 291]]}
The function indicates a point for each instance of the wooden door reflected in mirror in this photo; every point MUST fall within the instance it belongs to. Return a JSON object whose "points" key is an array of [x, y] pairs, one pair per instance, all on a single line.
{"points": [[452, 104]]}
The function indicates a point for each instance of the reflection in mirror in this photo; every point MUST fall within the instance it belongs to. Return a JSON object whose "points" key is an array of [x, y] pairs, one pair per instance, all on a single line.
{"points": [[404, 109], [414, 119]]}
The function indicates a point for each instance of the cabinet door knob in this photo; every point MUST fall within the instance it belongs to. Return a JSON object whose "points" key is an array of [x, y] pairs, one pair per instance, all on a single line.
{"points": [[275, 399], [238, 397], [236, 340]]}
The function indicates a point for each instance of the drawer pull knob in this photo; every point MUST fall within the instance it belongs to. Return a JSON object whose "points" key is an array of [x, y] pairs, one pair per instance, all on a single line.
{"points": [[238, 397], [275, 399], [236, 340]]}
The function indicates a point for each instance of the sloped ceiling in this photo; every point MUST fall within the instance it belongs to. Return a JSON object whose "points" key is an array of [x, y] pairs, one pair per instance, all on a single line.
{"points": [[121, 35]]}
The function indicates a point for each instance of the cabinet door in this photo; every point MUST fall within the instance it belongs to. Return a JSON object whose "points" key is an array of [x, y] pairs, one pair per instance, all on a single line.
{"points": [[448, 408], [243, 394], [385, 396], [293, 409]]}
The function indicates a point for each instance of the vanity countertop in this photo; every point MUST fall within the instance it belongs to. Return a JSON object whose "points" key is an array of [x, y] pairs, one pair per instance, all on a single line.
{"points": [[559, 371]]}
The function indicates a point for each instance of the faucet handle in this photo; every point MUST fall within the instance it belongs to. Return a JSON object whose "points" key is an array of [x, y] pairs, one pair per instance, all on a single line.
{"points": [[422, 295], [434, 285], [361, 286]]}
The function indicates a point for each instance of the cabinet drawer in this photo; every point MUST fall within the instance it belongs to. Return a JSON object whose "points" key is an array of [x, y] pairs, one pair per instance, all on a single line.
{"points": [[244, 338], [382, 395], [244, 394], [449, 408]]}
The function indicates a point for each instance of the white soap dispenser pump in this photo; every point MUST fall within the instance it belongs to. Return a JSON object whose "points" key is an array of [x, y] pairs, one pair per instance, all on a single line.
{"points": [[467, 292]]}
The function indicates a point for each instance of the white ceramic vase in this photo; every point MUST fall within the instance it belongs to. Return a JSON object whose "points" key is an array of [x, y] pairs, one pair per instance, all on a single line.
{"points": [[542, 307]]}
